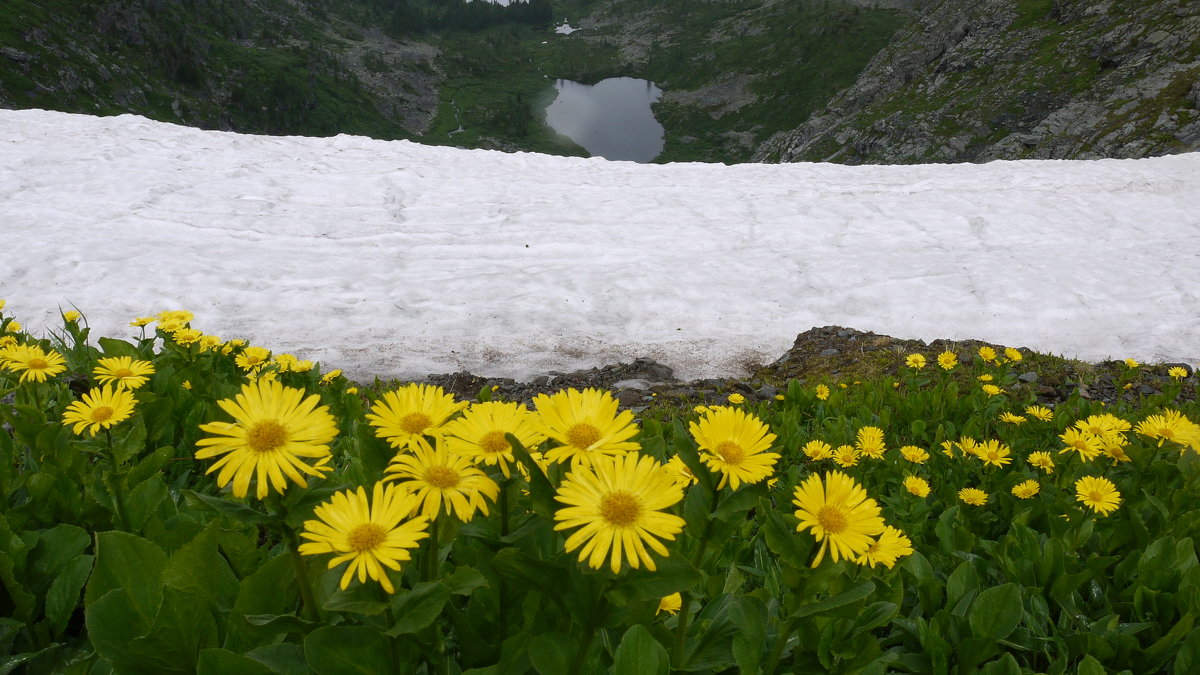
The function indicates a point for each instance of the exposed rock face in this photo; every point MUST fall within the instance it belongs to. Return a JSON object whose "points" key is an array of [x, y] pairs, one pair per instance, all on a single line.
{"points": [[977, 80]]}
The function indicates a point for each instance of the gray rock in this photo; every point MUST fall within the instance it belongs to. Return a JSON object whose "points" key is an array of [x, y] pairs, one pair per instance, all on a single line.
{"points": [[638, 384], [1030, 377], [830, 352]]}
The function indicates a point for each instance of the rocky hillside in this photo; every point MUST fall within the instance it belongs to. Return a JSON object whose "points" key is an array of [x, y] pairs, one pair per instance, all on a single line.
{"points": [[976, 80], [258, 66]]}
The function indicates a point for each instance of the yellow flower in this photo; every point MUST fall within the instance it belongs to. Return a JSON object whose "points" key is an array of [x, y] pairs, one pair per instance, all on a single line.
{"points": [[71, 316], [1012, 354], [586, 424], [670, 604], [985, 378], [443, 482], [180, 315], [1011, 418], [369, 534], [34, 363], [12, 326], [778, 397], [1177, 372], [846, 456], [1164, 427], [890, 546], [992, 390], [99, 409], [987, 353], [1087, 445], [914, 454], [408, 414], [479, 433], [142, 321], [2, 303], [680, 472], [1039, 412], [915, 361], [817, 450], [351, 390], [123, 371], [948, 448], [1098, 493], [619, 505], [917, 486], [331, 376], [1131, 363], [187, 336], [274, 427], [967, 444], [869, 442], [734, 443], [253, 358], [840, 514], [973, 496], [822, 392], [187, 384], [1026, 489], [994, 453], [736, 399], [209, 343], [947, 360], [1041, 460]]}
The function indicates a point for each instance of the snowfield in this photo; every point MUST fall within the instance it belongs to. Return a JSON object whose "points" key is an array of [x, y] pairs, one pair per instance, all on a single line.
{"points": [[397, 259]]}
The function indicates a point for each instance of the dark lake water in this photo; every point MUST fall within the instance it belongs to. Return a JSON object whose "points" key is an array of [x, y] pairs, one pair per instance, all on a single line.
{"points": [[611, 119]]}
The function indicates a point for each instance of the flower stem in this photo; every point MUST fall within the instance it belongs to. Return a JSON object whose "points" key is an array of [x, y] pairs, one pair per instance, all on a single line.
{"points": [[306, 593], [780, 643], [429, 567], [681, 628], [113, 481]]}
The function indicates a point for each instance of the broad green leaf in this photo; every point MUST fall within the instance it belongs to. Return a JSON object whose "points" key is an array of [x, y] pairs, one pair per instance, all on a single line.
{"points": [[224, 662], [674, 574], [541, 492], [284, 659], [465, 580], [63, 596], [853, 594], [135, 565], [419, 607], [143, 500], [55, 549], [115, 347], [1090, 666], [199, 568], [640, 654], [996, 612], [229, 508], [346, 650], [750, 616], [550, 653]]}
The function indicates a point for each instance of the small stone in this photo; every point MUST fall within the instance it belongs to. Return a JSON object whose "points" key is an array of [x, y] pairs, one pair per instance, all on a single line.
{"points": [[629, 397], [638, 384], [766, 391], [845, 333], [541, 380], [1028, 377], [1147, 389], [830, 352]]}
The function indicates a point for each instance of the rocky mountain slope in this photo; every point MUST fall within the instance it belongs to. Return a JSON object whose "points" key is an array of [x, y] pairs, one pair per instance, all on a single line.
{"points": [[975, 80], [257, 66]]}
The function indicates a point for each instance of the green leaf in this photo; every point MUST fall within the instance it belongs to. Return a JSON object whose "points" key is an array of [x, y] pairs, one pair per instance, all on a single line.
{"points": [[131, 442], [541, 492], [280, 623], [225, 662], [198, 567], [640, 654], [674, 574], [63, 596], [1157, 654], [873, 616], [963, 581], [132, 564], [181, 628], [750, 616], [853, 594], [267, 590], [1090, 666], [229, 508], [143, 500], [365, 599], [465, 581], [549, 655], [996, 612], [56, 548], [419, 607], [115, 347], [284, 659], [346, 650]]}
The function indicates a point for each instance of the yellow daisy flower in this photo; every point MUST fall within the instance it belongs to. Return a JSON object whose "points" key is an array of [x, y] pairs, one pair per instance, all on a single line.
{"points": [[443, 481], [142, 321], [917, 486], [1010, 418], [253, 358], [869, 442], [369, 534], [840, 514], [99, 409], [1026, 489], [619, 505], [123, 371], [1131, 363], [71, 316], [914, 454], [273, 428], [670, 604], [407, 415], [887, 548], [1012, 354], [947, 360], [846, 456], [1177, 372], [586, 424], [1097, 493], [736, 399], [994, 453], [1164, 427], [734, 443], [1087, 445], [1041, 460], [817, 450], [987, 353], [680, 472], [479, 433], [822, 392], [331, 376], [1041, 413], [33, 363], [992, 390], [915, 361], [973, 496]]}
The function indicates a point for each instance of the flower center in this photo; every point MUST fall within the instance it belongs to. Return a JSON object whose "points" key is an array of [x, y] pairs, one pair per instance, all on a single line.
{"points": [[441, 477], [1095, 496], [993, 455], [121, 373], [620, 508], [102, 414], [366, 537], [37, 364], [583, 435], [415, 423], [1167, 433], [266, 436], [832, 520], [731, 452], [493, 442]]}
